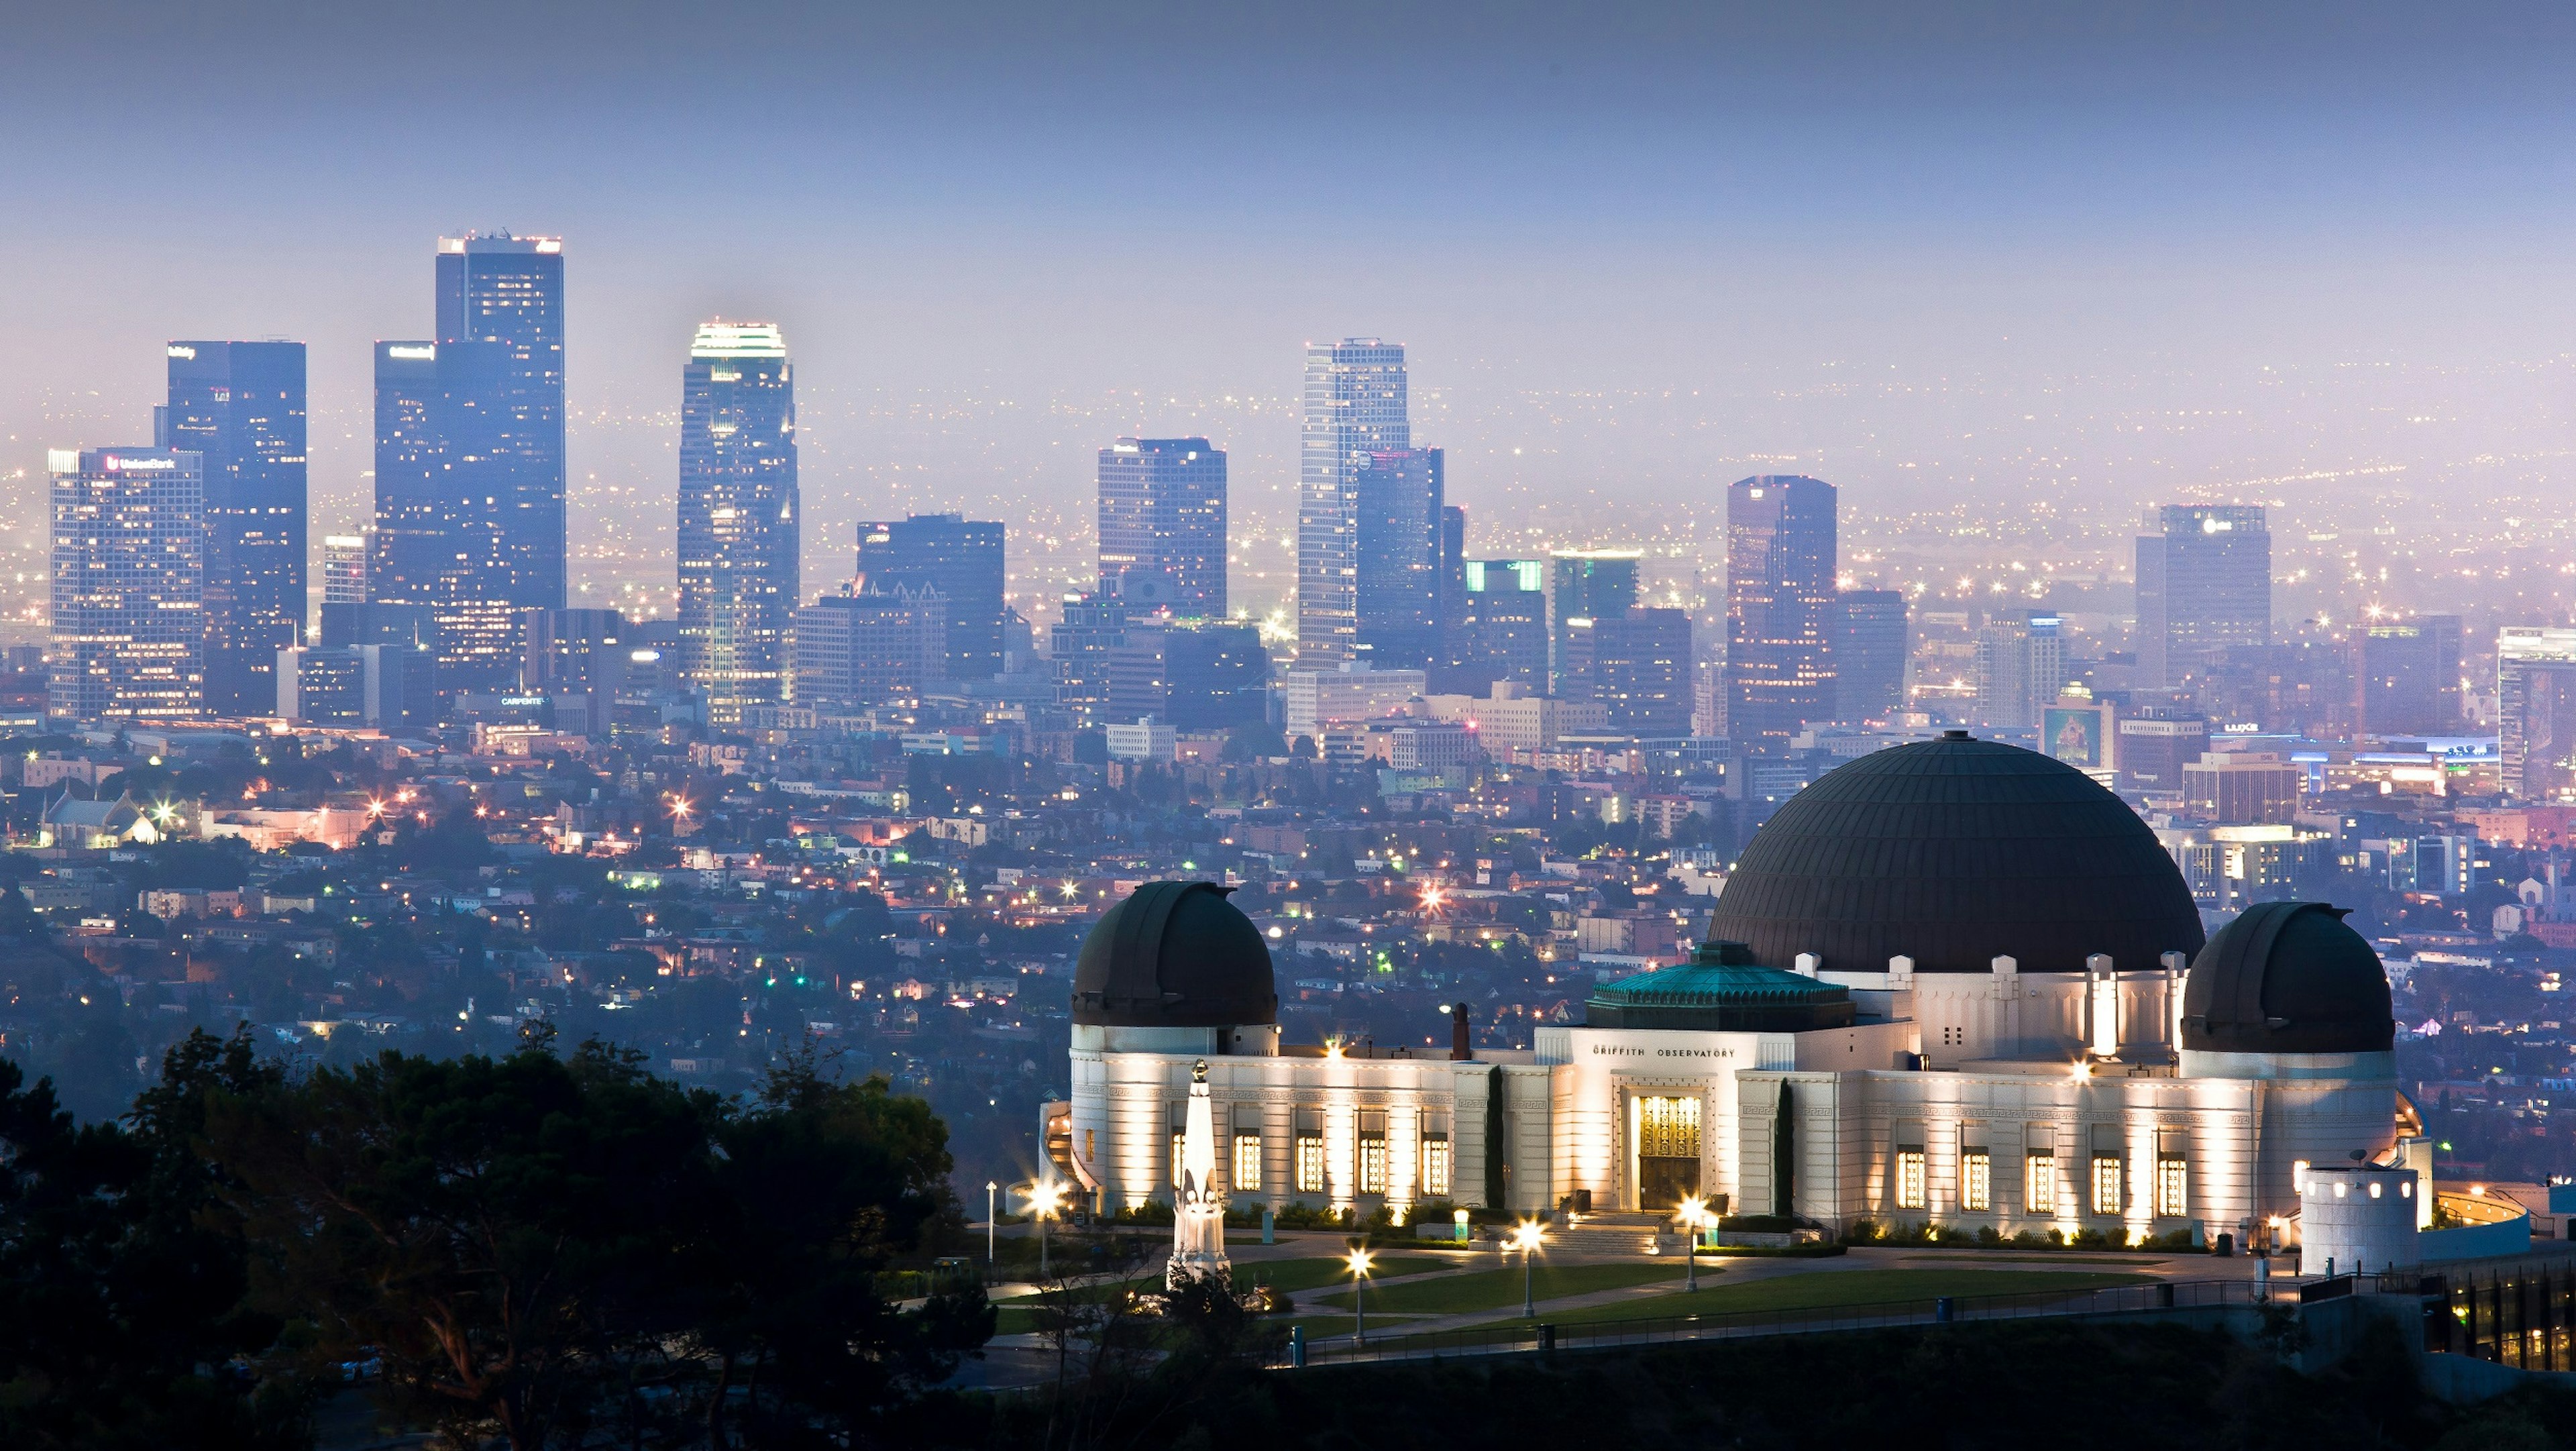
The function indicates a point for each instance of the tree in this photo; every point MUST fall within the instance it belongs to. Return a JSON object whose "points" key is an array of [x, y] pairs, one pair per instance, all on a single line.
{"points": [[824, 1183], [496, 1230], [120, 1303]]}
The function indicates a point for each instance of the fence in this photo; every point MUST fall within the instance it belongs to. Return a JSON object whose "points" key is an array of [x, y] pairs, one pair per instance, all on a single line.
{"points": [[1945, 1310]]}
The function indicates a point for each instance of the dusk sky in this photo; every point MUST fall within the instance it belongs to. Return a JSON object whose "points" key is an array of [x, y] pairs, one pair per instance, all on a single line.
{"points": [[1930, 252]]}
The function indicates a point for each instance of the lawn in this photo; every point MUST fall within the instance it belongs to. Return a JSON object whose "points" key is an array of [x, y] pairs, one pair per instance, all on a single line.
{"points": [[1824, 1288], [1291, 1277], [1494, 1289]]}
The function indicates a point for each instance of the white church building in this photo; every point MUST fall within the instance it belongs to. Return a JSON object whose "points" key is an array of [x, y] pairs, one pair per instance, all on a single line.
{"points": [[1954, 982]]}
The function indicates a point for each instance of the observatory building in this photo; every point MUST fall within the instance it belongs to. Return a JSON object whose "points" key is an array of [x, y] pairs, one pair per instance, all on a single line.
{"points": [[1953, 982]]}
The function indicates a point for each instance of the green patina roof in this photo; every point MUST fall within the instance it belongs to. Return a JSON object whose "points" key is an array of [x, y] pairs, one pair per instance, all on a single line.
{"points": [[1722, 973]]}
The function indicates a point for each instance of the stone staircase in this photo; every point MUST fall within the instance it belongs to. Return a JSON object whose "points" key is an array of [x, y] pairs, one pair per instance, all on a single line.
{"points": [[1624, 1236]]}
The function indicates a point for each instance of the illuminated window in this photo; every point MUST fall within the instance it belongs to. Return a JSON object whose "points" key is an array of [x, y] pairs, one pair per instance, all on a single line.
{"points": [[2173, 1186], [1372, 1146], [1976, 1180], [1909, 1179], [1247, 1163], [1435, 1164], [1310, 1163], [2298, 1176], [2039, 1184], [2108, 1197], [1177, 1140], [1090, 1145]]}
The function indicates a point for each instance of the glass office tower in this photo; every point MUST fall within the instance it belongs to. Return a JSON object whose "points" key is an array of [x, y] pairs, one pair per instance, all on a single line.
{"points": [[958, 558], [240, 408], [1162, 524], [1355, 407], [2204, 586], [739, 516], [1781, 609], [1396, 505], [470, 456]]}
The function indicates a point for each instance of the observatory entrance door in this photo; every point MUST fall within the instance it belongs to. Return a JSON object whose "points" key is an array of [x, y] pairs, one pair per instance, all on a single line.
{"points": [[1667, 1151]]}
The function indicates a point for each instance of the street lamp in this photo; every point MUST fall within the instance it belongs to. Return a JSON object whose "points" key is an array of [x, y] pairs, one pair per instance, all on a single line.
{"points": [[1358, 1260], [991, 1189], [1693, 1216], [1046, 1201], [1526, 1237]]}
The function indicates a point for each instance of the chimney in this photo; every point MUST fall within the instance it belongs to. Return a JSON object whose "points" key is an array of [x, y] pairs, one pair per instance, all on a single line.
{"points": [[1460, 1049]]}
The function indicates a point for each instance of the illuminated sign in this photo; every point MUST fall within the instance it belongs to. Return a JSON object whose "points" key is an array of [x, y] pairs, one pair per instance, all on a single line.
{"points": [[116, 465], [418, 352], [182, 350]]}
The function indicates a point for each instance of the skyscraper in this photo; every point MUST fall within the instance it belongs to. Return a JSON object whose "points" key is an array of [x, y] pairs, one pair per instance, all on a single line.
{"points": [[2410, 676], [1584, 584], [858, 650], [739, 516], [1637, 663], [2021, 665], [129, 542], [1871, 648], [1162, 524], [1780, 608], [1397, 506], [961, 559], [1502, 632], [1355, 407], [2204, 584], [2536, 712], [470, 455], [240, 408]]}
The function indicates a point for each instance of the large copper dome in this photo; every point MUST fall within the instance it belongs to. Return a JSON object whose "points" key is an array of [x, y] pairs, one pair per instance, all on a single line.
{"points": [[1954, 852]]}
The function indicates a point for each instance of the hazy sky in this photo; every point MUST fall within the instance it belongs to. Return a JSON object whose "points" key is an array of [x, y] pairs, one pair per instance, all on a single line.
{"points": [[1931, 252]]}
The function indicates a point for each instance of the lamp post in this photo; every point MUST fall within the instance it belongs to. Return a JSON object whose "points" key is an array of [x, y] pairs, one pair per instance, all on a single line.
{"points": [[991, 1192], [1358, 1260], [1526, 1239], [1693, 1214], [1046, 1201]]}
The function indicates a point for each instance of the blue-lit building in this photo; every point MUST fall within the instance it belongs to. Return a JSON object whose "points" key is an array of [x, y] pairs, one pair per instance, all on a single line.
{"points": [[1356, 406], [1162, 524], [240, 408], [1397, 504], [470, 455], [739, 516], [959, 559]]}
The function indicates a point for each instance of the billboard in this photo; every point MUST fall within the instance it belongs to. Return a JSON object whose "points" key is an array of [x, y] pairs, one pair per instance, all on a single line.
{"points": [[2079, 735]]}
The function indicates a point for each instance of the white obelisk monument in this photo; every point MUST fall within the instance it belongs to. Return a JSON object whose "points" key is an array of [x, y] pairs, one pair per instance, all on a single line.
{"points": [[1198, 1206]]}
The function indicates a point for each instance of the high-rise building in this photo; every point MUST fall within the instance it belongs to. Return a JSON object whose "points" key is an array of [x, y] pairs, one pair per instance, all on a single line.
{"points": [[1453, 577], [739, 516], [1355, 407], [2536, 712], [470, 454], [397, 649], [578, 659], [858, 650], [1637, 663], [1781, 614], [240, 408], [129, 540], [959, 558], [1397, 507], [1190, 676], [1163, 523], [1080, 644], [2204, 584], [2410, 676], [1584, 584], [344, 569], [1871, 648], [1501, 633], [2152, 749], [2021, 665]]}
